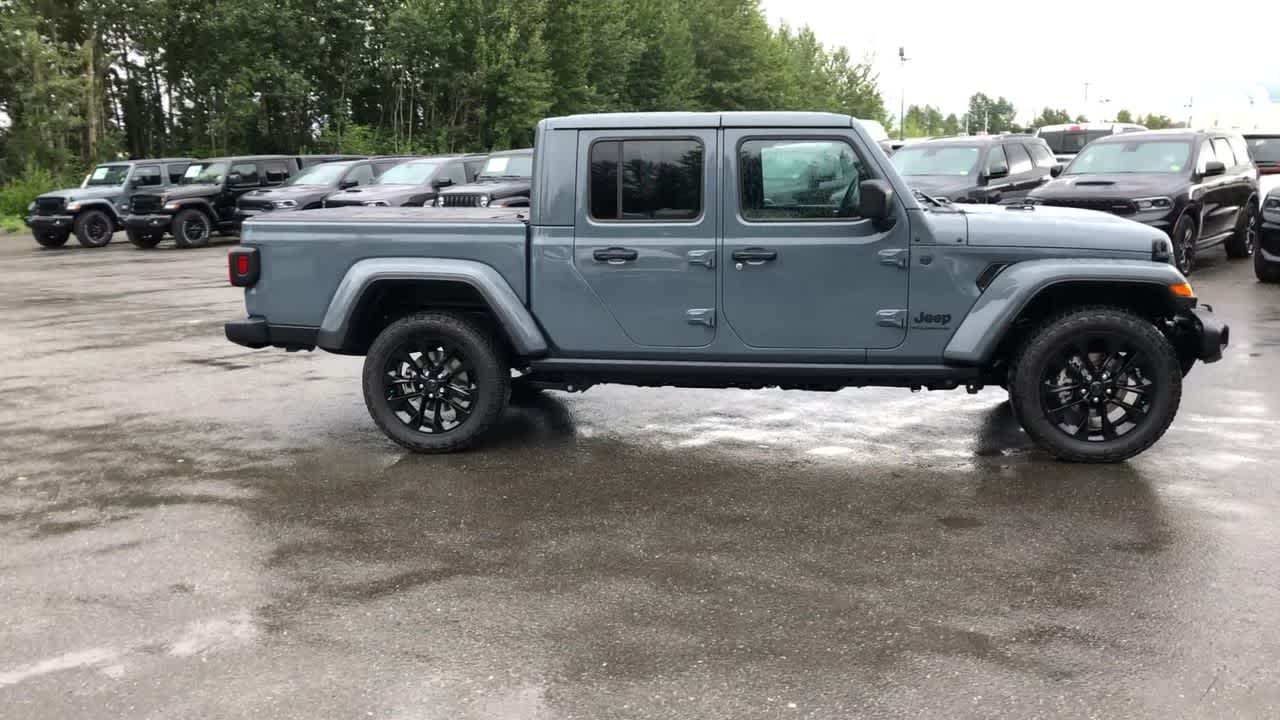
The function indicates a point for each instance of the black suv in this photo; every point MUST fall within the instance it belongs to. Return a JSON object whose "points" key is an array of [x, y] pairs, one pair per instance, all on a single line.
{"points": [[413, 183], [309, 188], [205, 200], [505, 181], [1199, 186], [977, 169], [1266, 257], [95, 210]]}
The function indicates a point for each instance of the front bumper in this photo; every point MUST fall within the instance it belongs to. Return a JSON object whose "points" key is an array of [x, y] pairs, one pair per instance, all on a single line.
{"points": [[155, 222], [1269, 241], [256, 332], [1201, 334], [45, 223]]}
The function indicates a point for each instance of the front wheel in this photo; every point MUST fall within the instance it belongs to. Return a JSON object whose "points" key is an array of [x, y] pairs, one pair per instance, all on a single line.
{"points": [[435, 382], [50, 238], [1096, 385], [1245, 239], [1184, 244], [94, 228], [146, 241], [191, 228]]}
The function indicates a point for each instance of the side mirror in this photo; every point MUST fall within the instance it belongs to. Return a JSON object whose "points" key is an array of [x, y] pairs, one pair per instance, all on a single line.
{"points": [[442, 183], [235, 179], [347, 184], [1056, 170], [1214, 167], [874, 199]]}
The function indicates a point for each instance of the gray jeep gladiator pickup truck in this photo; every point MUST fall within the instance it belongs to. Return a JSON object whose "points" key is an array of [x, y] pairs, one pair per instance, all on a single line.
{"points": [[741, 250]]}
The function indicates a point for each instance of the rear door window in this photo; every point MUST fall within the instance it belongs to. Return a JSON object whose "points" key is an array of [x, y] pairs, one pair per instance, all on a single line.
{"points": [[997, 161], [646, 180], [248, 172], [1019, 160], [1042, 156], [175, 172], [276, 171], [1222, 149], [146, 176]]}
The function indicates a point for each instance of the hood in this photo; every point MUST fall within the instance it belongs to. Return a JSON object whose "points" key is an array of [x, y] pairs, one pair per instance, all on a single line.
{"points": [[288, 192], [494, 189], [185, 191], [1057, 227], [1120, 186], [102, 191], [390, 194], [942, 186]]}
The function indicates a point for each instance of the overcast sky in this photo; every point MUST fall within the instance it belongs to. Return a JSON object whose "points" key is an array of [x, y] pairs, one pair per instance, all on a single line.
{"points": [[1141, 55]]}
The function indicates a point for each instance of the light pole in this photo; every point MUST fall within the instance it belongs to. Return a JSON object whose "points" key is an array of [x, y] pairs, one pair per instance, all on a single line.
{"points": [[1190, 106], [902, 99]]}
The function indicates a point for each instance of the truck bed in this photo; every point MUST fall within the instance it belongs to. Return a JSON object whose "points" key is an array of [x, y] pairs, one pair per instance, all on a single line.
{"points": [[310, 251]]}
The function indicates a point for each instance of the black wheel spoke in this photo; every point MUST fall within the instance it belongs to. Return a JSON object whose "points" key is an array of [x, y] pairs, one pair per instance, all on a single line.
{"points": [[419, 416], [436, 424], [463, 412], [1141, 413], [1082, 432], [401, 398], [1072, 404], [1063, 388], [1108, 428], [459, 392]]}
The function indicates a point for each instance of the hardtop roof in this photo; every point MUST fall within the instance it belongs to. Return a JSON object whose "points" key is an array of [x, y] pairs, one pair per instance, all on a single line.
{"points": [[660, 120]]}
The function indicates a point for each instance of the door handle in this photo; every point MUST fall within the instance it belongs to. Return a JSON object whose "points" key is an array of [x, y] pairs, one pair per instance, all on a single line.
{"points": [[754, 256], [615, 255]]}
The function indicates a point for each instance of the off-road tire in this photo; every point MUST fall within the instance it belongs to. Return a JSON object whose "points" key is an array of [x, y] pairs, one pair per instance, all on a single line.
{"points": [[145, 241], [1184, 246], [1244, 242], [50, 238], [181, 237], [481, 350], [93, 228], [1050, 340], [1267, 272]]}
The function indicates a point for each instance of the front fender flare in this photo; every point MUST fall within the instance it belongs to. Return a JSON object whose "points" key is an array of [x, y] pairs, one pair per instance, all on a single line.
{"points": [[995, 311], [336, 328], [103, 204]]}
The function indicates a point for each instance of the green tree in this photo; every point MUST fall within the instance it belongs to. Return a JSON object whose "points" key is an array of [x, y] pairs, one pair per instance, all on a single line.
{"points": [[1157, 122], [951, 125], [1123, 116], [1049, 116], [993, 116]]}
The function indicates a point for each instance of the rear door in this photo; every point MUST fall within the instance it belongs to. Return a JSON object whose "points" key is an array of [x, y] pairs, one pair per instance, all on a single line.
{"points": [[250, 177], [799, 268], [644, 239], [1226, 193], [1023, 175]]}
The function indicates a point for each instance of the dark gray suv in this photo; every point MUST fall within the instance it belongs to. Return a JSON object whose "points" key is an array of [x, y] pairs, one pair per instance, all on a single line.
{"points": [[308, 189], [414, 183], [978, 169]]}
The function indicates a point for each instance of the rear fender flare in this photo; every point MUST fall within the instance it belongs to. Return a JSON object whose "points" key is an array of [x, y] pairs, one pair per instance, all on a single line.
{"points": [[515, 319], [976, 340]]}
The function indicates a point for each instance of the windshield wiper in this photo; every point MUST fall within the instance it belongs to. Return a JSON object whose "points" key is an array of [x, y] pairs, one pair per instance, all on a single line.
{"points": [[936, 202]]}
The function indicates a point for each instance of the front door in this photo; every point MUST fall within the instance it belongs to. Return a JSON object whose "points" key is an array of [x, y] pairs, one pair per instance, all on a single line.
{"points": [[800, 268], [645, 238], [250, 178]]}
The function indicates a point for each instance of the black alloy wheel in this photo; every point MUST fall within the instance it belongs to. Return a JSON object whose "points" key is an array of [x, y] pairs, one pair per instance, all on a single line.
{"points": [[430, 387], [434, 382], [1184, 245], [191, 228], [1098, 388], [93, 228], [1245, 240]]}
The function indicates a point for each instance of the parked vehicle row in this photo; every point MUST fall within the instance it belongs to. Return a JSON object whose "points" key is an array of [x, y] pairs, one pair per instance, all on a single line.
{"points": [[190, 199], [978, 169]]}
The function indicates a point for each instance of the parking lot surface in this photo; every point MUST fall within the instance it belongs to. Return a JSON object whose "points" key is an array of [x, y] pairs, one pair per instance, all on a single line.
{"points": [[191, 529]]}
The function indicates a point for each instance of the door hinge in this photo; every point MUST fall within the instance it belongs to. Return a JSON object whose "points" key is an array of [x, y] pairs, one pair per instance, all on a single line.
{"points": [[706, 258], [891, 318], [897, 257], [701, 316]]}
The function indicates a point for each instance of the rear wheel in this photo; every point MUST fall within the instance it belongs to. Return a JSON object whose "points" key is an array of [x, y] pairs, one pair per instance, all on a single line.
{"points": [[435, 382], [191, 228], [1245, 239], [1096, 385], [145, 241], [1184, 244], [50, 238], [93, 228]]}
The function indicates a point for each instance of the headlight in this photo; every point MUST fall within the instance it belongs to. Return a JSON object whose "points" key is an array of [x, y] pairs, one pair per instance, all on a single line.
{"points": [[376, 203], [284, 203], [483, 201], [171, 206], [440, 201], [124, 205], [73, 206], [1272, 203], [1155, 203], [1033, 201]]}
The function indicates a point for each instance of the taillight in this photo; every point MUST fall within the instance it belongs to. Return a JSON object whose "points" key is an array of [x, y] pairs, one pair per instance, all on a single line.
{"points": [[1269, 169], [243, 266]]}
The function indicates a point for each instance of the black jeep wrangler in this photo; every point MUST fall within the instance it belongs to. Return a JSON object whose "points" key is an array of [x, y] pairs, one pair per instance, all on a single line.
{"points": [[504, 182], [95, 210], [205, 200]]}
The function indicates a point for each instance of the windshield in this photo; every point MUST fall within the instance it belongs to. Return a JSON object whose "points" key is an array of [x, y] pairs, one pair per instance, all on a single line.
{"points": [[1156, 156], [937, 160], [322, 174], [204, 173], [518, 166], [413, 173], [1264, 148], [107, 175]]}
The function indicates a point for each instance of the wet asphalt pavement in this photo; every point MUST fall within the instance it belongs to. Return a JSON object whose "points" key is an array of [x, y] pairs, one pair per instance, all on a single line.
{"points": [[195, 530]]}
